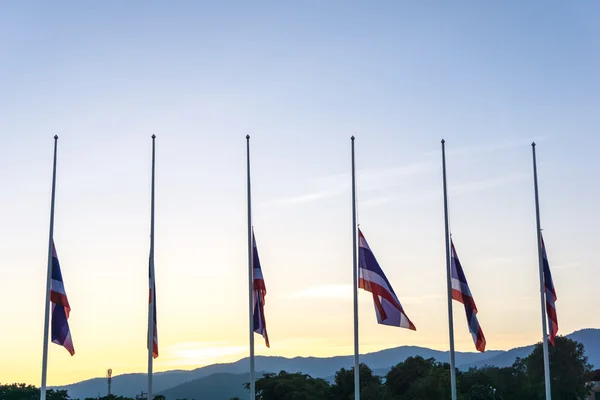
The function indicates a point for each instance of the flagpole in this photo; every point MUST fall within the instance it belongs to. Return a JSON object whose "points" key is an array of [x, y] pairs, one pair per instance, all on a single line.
{"points": [[250, 274], [542, 288], [48, 279], [448, 276], [151, 283], [355, 279]]}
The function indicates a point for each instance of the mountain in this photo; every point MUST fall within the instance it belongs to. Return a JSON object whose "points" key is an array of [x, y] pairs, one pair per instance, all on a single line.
{"points": [[589, 337], [127, 384], [131, 384], [219, 386]]}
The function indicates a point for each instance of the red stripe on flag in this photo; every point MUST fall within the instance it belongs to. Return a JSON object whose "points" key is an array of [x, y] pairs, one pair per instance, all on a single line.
{"points": [[378, 290], [462, 298]]}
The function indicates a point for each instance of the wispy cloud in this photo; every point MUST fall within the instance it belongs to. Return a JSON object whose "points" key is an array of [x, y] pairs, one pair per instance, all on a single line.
{"points": [[335, 291], [474, 150], [374, 180], [567, 265], [491, 183], [368, 180], [453, 190], [502, 261], [306, 198], [343, 292], [371, 180], [199, 353]]}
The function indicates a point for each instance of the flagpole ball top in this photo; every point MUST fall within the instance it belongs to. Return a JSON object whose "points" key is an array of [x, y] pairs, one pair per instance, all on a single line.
{"points": [[153, 136], [443, 141], [352, 137], [533, 144], [247, 136], [55, 137]]}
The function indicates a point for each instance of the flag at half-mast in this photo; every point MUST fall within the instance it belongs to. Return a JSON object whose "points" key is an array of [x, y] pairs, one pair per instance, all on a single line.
{"points": [[258, 297], [372, 279], [152, 303], [550, 295], [462, 294], [61, 334]]}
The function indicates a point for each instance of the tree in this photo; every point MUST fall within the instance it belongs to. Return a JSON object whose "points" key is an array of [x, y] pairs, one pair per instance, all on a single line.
{"points": [[296, 386], [504, 383], [374, 391], [434, 386], [343, 386], [419, 378], [480, 392], [568, 369], [400, 377], [22, 391]]}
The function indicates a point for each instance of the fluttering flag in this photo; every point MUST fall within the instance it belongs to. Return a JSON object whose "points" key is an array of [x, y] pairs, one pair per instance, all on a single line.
{"points": [[61, 309], [260, 291], [550, 295], [462, 294], [152, 302], [372, 279]]}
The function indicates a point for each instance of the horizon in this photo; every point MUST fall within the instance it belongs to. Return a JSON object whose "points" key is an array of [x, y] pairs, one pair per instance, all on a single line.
{"points": [[308, 357], [301, 79]]}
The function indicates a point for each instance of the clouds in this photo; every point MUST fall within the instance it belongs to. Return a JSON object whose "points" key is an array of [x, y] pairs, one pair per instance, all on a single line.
{"points": [[410, 182], [343, 292], [200, 353], [368, 180], [332, 291], [485, 149]]}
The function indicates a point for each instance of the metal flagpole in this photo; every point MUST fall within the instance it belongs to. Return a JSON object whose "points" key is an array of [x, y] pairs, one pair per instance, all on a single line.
{"points": [[48, 278], [449, 274], [151, 283], [355, 279], [250, 274], [542, 289]]}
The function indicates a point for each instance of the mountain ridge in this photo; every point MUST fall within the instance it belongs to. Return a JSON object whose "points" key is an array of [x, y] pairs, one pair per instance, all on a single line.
{"points": [[132, 383]]}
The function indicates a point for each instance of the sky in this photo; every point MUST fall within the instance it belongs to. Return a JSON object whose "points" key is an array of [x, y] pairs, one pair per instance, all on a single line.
{"points": [[300, 78]]}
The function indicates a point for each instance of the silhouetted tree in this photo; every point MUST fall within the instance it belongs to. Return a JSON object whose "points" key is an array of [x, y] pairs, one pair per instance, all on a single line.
{"points": [[419, 378], [507, 383], [22, 391], [400, 377], [343, 386], [434, 386], [296, 386], [568, 370]]}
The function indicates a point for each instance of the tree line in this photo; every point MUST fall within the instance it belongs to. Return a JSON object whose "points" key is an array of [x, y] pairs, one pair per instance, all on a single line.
{"points": [[22, 391], [415, 378]]}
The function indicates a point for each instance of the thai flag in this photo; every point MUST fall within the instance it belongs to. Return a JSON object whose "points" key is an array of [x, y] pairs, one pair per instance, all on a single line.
{"points": [[462, 294], [550, 295], [61, 333], [152, 303], [372, 279], [260, 291]]}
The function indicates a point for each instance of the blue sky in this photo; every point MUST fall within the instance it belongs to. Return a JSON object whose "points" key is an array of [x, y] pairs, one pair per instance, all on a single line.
{"points": [[301, 78]]}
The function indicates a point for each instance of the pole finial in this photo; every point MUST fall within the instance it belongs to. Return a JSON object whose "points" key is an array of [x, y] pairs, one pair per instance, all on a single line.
{"points": [[443, 141], [55, 137], [352, 138], [247, 137], [533, 144], [153, 136]]}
